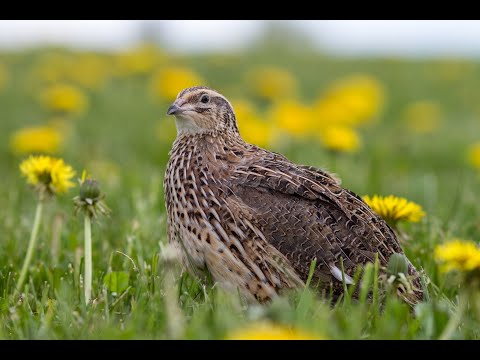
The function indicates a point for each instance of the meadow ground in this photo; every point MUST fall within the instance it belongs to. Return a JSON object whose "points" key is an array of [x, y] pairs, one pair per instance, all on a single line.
{"points": [[385, 126]]}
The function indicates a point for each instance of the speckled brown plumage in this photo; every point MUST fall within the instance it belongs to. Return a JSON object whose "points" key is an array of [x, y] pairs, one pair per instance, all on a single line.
{"points": [[254, 219]]}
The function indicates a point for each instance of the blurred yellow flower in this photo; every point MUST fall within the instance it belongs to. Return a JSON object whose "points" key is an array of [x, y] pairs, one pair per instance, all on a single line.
{"points": [[393, 209], [3, 76], [252, 128], [89, 70], [474, 155], [269, 331], [271, 83], [47, 174], [458, 254], [140, 60], [36, 139], [291, 116], [423, 117], [353, 101], [257, 132], [85, 69], [340, 138], [64, 98], [330, 112], [169, 81]]}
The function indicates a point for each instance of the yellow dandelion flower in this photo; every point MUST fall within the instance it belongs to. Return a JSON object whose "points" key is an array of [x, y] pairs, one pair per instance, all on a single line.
{"points": [[354, 100], [269, 331], [340, 138], [291, 116], [271, 83], [3, 76], [474, 155], [458, 254], [169, 81], [252, 128], [423, 117], [140, 60], [36, 139], [64, 98], [47, 174], [393, 209]]}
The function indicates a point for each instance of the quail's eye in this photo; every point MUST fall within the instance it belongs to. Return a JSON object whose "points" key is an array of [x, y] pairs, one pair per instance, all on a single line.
{"points": [[205, 98]]}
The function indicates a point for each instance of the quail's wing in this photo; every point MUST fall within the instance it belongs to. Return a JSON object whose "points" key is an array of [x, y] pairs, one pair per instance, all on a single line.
{"points": [[305, 214]]}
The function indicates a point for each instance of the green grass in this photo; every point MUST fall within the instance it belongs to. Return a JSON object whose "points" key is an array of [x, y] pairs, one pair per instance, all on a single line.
{"points": [[155, 300]]}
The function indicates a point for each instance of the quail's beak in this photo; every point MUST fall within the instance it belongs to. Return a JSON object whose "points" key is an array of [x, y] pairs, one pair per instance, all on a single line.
{"points": [[173, 109], [176, 107]]}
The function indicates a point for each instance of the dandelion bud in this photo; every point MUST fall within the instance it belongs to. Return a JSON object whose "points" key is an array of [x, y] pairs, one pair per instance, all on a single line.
{"points": [[90, 198], [90, 191]]}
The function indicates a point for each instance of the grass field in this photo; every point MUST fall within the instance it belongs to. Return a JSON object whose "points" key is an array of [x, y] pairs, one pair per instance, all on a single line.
{"points": [[122, 136]]}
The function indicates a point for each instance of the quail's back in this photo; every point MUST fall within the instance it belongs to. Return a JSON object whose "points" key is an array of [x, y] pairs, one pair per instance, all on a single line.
{"points": [[254, 220]]}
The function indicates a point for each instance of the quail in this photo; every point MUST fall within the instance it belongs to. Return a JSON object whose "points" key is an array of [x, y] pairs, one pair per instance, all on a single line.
{"points": [[254, 220]]}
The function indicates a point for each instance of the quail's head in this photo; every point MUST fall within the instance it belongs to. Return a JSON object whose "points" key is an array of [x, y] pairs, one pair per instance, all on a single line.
{"points": [[200, 109]]}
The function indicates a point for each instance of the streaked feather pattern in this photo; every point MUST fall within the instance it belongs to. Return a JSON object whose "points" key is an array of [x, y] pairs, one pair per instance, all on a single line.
{"points": [[255, 220]]}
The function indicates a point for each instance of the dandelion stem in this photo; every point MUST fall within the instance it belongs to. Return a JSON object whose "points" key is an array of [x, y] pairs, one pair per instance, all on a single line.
{"points": [[31, 245], [455, 320], [88, 259]]}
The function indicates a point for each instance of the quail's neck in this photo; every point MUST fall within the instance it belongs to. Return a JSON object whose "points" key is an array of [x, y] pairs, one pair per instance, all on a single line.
{"points": [[209, 142], [209, 136]]}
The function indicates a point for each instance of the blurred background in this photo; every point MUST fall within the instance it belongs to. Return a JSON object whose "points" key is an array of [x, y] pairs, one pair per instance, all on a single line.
{"points": [[391, 106], [346, 37]]}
